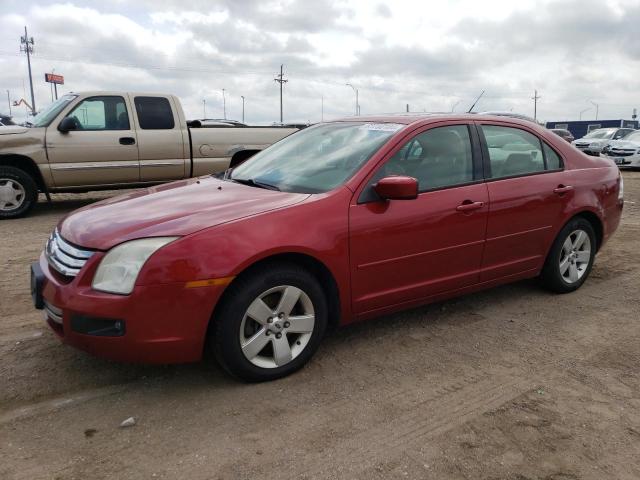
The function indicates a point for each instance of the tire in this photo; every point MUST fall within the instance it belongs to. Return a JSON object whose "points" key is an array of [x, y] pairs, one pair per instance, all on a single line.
{"points": [[571, 257], [18, 192], [253, 346]]}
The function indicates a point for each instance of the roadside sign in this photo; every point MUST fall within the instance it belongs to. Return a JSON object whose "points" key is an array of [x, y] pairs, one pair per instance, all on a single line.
{"points": [[53, 78]]}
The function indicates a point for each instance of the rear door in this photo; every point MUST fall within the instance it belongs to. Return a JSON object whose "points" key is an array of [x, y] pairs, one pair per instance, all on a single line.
{"points": [[163, 142], [527, 194], [101, 150], [407, 250]]}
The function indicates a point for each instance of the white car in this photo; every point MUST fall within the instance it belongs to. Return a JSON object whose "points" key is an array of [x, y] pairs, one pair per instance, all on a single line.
{"points": [[593, 142], [625, 153]]}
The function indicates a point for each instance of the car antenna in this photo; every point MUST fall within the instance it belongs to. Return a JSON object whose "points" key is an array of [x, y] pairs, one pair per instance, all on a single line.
{"points": [[474, 103]]}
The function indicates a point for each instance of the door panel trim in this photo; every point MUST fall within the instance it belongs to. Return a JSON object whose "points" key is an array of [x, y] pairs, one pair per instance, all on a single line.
{"points": [[419, 254], [93, 166], [162, 163]]}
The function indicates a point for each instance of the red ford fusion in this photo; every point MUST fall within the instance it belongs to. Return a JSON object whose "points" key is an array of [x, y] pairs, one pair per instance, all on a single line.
{"points": [[340, 222]]}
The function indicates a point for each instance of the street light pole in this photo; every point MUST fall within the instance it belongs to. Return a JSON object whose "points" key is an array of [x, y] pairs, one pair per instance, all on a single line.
{"points": [[9, 102], [582, 111], [595, 105], [453, 107], [224, 105], [357, 103], [242, 96], [204, 108]]}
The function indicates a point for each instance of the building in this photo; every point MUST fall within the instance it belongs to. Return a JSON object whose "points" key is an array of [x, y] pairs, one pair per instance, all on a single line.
{"points": [[579, 128]]}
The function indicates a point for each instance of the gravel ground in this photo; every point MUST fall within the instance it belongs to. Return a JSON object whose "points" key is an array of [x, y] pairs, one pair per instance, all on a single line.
{"points": [[512, 383]]}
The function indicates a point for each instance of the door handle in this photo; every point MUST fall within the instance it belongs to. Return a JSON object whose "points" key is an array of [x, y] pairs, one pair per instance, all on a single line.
{"points": [[562, 189], [469, 206], [127, 141]]}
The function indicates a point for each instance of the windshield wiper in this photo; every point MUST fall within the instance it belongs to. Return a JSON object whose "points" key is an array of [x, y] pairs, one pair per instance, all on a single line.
{"points": [[254, 183]]}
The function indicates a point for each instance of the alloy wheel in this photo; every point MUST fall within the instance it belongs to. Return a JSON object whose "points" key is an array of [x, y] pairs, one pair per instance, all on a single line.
{"points": [[575, 256], [12, 195], [277, 326]]}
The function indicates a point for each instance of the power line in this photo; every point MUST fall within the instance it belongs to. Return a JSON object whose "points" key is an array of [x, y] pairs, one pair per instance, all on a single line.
{"points": [[26, 45], [281, 80], [535, 99]]}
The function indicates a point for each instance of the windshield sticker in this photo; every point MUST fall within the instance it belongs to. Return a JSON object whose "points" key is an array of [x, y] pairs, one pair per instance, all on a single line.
{"points": [[382, 127]]}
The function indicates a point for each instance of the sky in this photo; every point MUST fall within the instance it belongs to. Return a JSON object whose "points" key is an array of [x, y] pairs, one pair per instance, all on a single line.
{"points": [[433, 56]]}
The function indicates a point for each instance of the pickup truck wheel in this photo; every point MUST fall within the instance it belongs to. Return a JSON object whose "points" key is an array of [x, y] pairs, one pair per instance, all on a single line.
{"points": [[18, 192], [270, 323]]}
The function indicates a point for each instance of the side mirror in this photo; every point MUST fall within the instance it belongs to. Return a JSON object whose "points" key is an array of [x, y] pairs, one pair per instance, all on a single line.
{"points": [[397, 188], [67, 124]]}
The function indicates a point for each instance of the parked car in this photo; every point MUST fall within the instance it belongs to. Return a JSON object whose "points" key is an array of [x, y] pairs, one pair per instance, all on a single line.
{"points": [[565, 134], [108, 140], [625, 153], [341, 222], [5, 120], [593, 142]]}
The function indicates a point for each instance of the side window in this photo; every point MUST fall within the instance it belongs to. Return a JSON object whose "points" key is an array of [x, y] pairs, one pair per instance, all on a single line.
{"points": [[512, 151], [154, 113], [553, 159], [101, 113], [439, 157]]}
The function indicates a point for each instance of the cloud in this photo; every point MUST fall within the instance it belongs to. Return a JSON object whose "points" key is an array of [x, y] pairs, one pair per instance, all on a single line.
{"points": [[430, 56]]}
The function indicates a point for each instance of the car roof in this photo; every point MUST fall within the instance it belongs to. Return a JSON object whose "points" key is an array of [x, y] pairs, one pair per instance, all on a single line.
{"points": [[425, 118]]}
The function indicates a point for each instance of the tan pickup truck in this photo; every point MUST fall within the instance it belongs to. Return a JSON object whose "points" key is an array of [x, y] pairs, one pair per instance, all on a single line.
{"points": [[107, 140]]}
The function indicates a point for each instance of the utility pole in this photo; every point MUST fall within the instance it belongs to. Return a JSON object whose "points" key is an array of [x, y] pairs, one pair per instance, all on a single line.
{"points": [[535, 99], [281, 80], [9, 102], [242, 96], [26, 45], [224, 105], [357, 103], [595, 105]]}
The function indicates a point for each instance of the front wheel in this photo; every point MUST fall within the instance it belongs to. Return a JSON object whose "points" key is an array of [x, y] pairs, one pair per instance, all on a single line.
{"points": [[269, 323], [18, 192], [571, 257]]}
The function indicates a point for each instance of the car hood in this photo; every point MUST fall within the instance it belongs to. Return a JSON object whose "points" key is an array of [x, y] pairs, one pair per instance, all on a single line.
{"points": [[173, 209], [629, 144], [13, 130], [590, 141]]}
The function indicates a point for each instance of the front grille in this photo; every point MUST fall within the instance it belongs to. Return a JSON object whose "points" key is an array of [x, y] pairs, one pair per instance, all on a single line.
{"points": [[621, 153], [64, 257]]}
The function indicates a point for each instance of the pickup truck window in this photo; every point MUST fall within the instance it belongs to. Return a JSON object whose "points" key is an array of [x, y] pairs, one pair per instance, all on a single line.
{"points": [[46, 116], [154, 113], [101, 113]]}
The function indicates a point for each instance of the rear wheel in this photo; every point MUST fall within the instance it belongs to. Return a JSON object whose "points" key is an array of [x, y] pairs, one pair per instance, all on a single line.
{"points": [[571, 257], [18, 192], [269, 323]]}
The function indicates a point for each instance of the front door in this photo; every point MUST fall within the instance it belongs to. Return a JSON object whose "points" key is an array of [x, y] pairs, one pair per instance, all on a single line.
{"points": [[407, 250], [101, 150], [527, 194]]}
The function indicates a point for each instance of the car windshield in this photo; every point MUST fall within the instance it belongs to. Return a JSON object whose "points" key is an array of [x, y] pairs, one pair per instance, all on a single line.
{"points": [[51, 111], [317, 159], [601, 133], [634, 137]]}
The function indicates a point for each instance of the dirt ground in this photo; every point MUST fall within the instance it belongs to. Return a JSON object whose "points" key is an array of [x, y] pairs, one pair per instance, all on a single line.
{"points": [[512, 383]]}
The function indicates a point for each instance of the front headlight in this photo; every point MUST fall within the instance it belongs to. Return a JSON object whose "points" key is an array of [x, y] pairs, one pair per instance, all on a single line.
{"points": [[119, 269]]}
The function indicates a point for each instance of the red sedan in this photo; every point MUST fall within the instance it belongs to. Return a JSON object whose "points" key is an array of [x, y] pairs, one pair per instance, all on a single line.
{"points": [[340, 222]]}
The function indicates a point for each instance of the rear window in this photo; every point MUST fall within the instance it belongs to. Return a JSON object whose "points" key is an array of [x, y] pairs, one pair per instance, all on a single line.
{"points": [[154, 113]]}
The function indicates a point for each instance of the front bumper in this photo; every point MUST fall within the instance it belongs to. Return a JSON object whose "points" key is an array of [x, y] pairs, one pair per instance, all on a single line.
{"points": [[165, 323], [629, 161]]}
